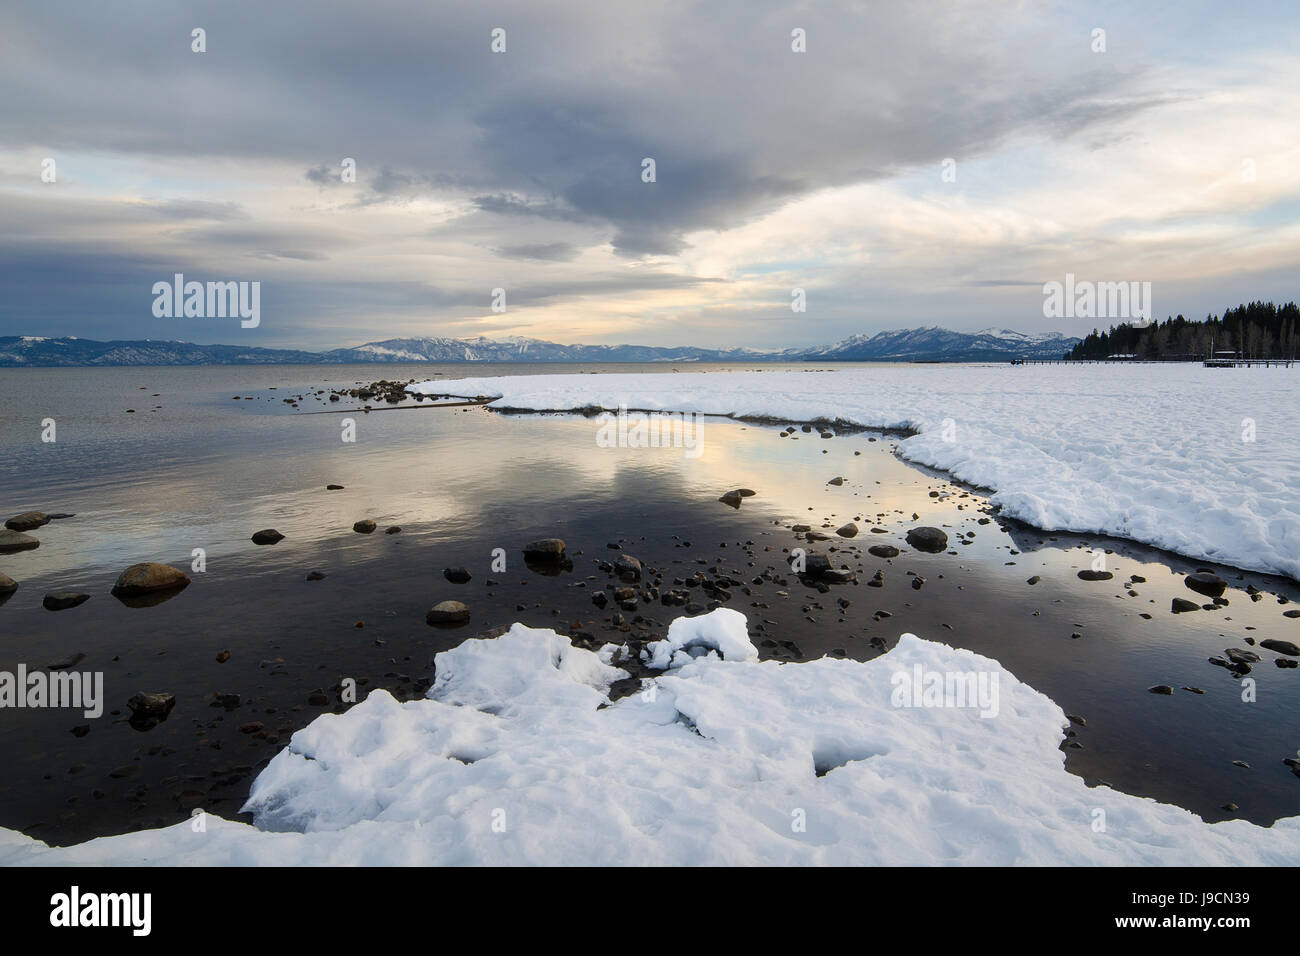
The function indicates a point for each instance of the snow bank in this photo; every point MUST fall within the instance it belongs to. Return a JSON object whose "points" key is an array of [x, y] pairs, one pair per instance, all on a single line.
{"points": [[1204, 462], [516, 757]]}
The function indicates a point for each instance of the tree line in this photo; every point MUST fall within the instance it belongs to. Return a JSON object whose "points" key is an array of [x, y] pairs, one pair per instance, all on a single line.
{"points": [[1260, 330]]}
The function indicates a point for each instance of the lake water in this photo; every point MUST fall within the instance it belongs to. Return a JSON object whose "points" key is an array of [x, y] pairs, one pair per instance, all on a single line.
{"points": [[192, 467]]}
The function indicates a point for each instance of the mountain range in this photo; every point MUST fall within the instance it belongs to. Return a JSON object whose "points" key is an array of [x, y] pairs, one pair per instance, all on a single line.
{"points": [[903, 345]]}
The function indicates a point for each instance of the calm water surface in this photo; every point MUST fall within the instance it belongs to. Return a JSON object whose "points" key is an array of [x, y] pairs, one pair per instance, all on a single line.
{"points": [[191, 467]]}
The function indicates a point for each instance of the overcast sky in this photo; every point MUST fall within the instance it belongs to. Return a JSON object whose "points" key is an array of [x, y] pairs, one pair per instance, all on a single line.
{"points": [[775, 170]]}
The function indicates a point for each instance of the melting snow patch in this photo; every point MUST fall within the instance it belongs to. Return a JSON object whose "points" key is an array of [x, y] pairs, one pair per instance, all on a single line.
{"points": [[804, 763]]}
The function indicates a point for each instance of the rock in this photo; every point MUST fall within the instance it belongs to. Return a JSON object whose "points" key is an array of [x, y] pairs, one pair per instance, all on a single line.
{"points": [[333, 487], [883, 550], [931, 540], [447, 612], [1238, 656], [816, 565], [364, 526], [545, 549], [1088, 574], [849, 530], [267, 536], [1292, 613], [148, 577], [27, 521], [1204, 582], [62, 600], [393, 529], [1161, 689], [1282, 647], [1285, 662], [627, 568], [800, 528], [1182, 606], [732, 498], [456, 575], [7, 584], [917, 583], [156, 706], [252, 727], [315, 575], [12, 541], [836, 481], [1034, 580]]}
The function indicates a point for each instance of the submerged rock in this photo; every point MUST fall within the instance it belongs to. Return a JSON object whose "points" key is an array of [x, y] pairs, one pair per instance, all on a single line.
{"points": [[883, 550], [152, 705], [456, 575], [62, 600]]}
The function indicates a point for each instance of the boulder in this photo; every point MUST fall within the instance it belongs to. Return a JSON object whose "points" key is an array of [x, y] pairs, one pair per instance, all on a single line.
{"points": [[627, 568], [1088, 574], [931, 540], [148, 577], [447, 612], [27, 521], [1207, 583], [545, 549], [1281, 647], [11, 541]]}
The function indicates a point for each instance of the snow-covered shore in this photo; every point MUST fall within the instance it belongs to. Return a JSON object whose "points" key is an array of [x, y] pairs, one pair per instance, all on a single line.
{"points": [[512, 759], [1203, 462]]}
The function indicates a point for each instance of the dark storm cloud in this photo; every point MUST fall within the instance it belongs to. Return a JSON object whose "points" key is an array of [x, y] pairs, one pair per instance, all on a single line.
{"points": [[545, 251]]}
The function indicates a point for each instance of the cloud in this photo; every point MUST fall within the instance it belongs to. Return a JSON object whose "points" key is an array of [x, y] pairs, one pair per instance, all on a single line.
{"points": [[523, 169]]}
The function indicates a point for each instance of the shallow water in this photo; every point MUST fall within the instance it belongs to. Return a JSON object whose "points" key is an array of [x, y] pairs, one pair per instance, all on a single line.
{"points": [[205, 471]]}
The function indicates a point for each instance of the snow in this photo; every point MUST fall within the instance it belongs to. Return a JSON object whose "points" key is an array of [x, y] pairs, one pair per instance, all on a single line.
{"points": [[517, 757], [1157, 453]]}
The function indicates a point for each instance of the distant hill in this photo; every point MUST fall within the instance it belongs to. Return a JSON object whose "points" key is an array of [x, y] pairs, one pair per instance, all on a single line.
{"points": [[942, 345], [905, 345]]}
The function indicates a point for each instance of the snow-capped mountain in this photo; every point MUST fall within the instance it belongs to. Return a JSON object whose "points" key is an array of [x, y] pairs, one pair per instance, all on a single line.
{"points": [[904, 345], [943, 345]]}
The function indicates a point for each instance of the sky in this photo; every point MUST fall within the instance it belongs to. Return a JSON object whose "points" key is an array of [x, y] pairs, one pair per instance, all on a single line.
{"points": [[914, 164]]}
